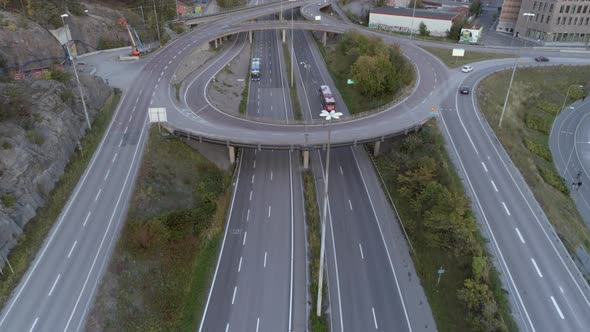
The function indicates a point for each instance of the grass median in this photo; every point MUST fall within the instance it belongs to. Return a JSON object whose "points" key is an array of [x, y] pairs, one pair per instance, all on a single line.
{"points": [[318, 324], [536, 97], [37, 229], [292, 89], [445, 55], [162, 266], [430, 199]]}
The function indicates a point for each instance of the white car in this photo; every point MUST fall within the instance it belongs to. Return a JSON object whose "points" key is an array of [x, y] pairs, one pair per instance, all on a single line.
{"points": [[466, 69]]}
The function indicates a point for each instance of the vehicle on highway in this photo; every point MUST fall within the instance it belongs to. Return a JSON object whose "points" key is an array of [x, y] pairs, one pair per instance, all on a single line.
{"points": [[464, 90], [328, 100], [466, 69], [255, 69], [541, 59]]}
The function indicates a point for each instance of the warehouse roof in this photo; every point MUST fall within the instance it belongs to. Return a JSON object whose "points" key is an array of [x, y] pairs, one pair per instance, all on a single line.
{"points": [[420, 13]]}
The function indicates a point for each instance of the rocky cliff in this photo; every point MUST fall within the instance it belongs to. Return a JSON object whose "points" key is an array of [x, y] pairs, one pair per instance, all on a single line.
{"points": [[41, 122]]}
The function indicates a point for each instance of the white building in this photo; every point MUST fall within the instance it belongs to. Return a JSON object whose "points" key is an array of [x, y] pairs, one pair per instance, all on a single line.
{"points": [[404, 20]]}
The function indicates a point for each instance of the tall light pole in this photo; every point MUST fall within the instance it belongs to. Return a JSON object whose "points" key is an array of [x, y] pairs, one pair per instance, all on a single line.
{"points": [[292, 51], [75, 70], [528, 15], [413, 15], [566, 95], [328, 115]]}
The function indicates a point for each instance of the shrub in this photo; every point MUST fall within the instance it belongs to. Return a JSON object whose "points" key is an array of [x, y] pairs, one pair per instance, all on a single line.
{"points": [[553, 179], [548, 107], [35, 137], [66, 96], [539, 149], [60, 76], [177, 27], [538, 123], [7, 200], [6, 145], [424, 32], [107, 43]]}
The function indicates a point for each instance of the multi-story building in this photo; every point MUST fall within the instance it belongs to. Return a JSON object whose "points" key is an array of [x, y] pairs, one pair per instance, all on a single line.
{"points": [[553, 22], [508, 16]]}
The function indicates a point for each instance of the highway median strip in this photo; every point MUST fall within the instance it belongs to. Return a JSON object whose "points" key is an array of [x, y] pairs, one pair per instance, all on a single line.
{"points": [[292, 89]]}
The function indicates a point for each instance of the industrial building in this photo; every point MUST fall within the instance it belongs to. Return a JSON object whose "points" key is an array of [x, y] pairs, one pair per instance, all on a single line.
{"points": [[406, 20]]}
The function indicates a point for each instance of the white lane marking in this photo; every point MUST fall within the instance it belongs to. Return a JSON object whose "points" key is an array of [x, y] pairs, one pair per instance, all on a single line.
{"points": [[350, 204], [240, 264], [121, 143], [374, 318], [271, 95], [506, 208], [361, 249], [557, 307], [131, 116], [248, 215], [341, 172], [271, 175], [233, 298], [151, 102], [153, 94], [269, 207], [244, 241], [72, 248], [115, 157], [162, 73], [493, 184], [537, 268], [107, 175], [257, 323], [165, 67], [169, 62], [265, 254], [126, 129], [253, 178], [561, 290], [98, 195], [86, 220], [227, 325], [54, 284], [254, 164], [174, 57], [250, 196], [519, 235], [34, 323], [484, 166]]}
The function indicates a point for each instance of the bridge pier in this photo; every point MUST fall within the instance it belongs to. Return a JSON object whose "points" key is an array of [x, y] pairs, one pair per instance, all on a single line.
{"points": [[284, 36], [250, 36], [325, 38], [232, 154], [215, 42], [305, 159], [376, 148], [221, 41]]}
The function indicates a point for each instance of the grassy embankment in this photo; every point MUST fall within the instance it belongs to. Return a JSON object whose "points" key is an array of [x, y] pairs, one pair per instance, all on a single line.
{"points": [[162, 266], [318, 324], [431, 201], [292, 89], [445, 54], [38, 228], [536, 97]]}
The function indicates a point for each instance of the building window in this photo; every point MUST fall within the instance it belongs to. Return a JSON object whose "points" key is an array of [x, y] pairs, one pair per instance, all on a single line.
{"points": [[579, 9], [558, 20], [575, 20], [544, 6], [548, 19], [569, 22], [585, 9], [551, 8], [535, 5], [581, 20], [561, 9], [587, 18], [567, 9], [536, 18], [542, 17]]}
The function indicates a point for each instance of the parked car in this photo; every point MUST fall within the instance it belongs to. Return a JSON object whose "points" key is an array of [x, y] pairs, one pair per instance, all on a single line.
{"points": [[464, 90], [466, 69], [541, 59]]}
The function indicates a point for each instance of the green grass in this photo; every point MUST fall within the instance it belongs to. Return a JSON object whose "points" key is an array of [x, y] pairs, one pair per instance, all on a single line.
{"points": [[177, 87], [470, 56], [7, 200], [318, 324], [292, 89], [405, 159], [36, 230], [536, 97], [161, 269]]}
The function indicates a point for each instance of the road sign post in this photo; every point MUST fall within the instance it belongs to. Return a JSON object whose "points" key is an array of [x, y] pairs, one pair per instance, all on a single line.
{"points": [[157, 115], [440, 272]]}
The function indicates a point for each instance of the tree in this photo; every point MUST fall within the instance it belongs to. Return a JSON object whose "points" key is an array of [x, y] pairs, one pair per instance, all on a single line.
{"points": [[374, 75], [417, 3], [455, 32], [475, 8], [481, 305], [424, 32]]}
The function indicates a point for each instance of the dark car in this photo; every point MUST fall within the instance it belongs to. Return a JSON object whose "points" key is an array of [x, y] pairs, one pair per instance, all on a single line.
{"points": [[464, 90], [541, 59]]}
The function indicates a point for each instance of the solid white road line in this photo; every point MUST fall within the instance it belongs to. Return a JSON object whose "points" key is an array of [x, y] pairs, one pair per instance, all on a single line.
{"points": [[253, 178], [98, 194], [484, 166], [271, 175], [250, 194], [34, 323], [341, 172], [121, 143], [115, 157], [248, 215], [162, 73], [257, 323], [494, 185], [54, 284], [519, 235], [126, 129], [537, 268], [233, 298], [86, 220], [107, 175], [505, 208], [374, 318], [269, 207], [227, 325], [557, 307], [72, 248], [561, 290], [254, 164], [166, 67], [240, 264], [159, 78], [244, 241], [350, 204], [265, 254], [361, 249]]}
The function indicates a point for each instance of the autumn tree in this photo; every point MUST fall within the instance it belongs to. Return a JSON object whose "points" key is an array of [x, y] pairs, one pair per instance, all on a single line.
{"points": [[424, 32]]}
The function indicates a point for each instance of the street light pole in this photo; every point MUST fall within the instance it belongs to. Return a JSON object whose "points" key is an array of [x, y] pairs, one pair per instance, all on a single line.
{"points": [[292, 51], [328, 115], [413, 15], [528, 15], [75, 71], [566, 95]]}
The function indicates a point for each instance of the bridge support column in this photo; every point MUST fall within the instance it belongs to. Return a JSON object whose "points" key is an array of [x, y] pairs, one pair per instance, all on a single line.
{"points": [[284, 36], [376, 148], [232, 154], [221, 41], [325, 38], [250, 36], [215, 42], [305, 159]]}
